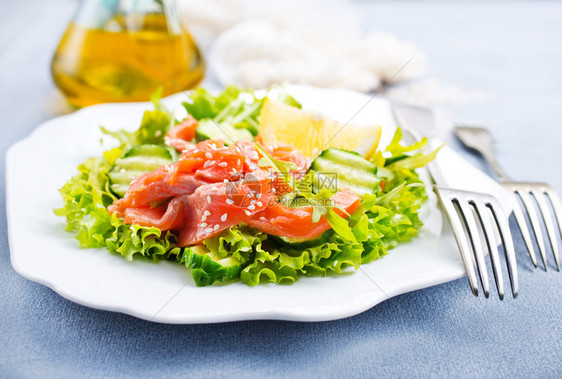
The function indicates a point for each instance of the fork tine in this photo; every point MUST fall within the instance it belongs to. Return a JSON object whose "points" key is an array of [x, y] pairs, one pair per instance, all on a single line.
{"points": [[459, 234], [472, 228], [555, 201], [485, 219], [534, 223], [547, 217], [507, 241], [518, 213]]}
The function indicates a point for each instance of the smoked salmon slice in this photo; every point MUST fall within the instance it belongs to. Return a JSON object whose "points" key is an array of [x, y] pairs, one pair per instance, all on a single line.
{"points": [[213, 187], [180, 136]]}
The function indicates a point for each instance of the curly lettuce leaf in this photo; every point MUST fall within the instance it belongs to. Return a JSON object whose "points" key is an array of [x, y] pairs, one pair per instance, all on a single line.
{"points": [[247, 254], [129, 240], [85, 200], [238, 241], [88, 190], [284, 265]]}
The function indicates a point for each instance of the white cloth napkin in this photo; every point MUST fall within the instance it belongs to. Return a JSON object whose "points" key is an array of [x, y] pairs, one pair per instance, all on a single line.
{"points": [[256, 44]]}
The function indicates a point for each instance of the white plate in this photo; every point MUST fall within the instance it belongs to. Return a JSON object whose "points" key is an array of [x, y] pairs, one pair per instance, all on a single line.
{"points": [[43, 252]]}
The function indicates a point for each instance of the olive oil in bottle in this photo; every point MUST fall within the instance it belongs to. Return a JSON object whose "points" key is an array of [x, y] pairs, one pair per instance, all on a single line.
{"points": [[123, 51]]}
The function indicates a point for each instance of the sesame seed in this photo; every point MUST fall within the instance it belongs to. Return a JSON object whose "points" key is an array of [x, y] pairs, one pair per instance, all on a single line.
{"points": [[211, 163], [203, 224], [194, 151], [273, 190], [209, 199], [238, 162], [214, 188], [223, 217], [250, 194], [209, 230], [204, 218], [251, 207], [122, 170], [213, 146], [258, 196], [216, 227], [158, 133], [248, 213], [259, 204], [223, 164], [263, 218], [225, 181], [206, 164], [209, 155], [252, 202], [207, 213], [229, 201]]}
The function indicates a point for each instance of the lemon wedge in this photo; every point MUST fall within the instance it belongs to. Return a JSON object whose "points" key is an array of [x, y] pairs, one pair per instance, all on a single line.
{"points": [[311, 133]]}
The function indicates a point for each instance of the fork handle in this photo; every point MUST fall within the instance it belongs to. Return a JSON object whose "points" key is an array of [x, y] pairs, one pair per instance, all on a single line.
{"points": [[480, 140], [491, 159]]}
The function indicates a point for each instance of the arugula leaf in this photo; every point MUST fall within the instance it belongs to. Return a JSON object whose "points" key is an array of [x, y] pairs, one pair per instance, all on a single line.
{"points": [[204, 105], [340, 225], [153, 129], [387, 197], [237, 108], [396, 148], [154, 126], [417, 160], [399, 159], [281, 167]]}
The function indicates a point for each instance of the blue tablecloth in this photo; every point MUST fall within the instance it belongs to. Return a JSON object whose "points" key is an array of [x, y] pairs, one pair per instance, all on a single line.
{"points": [[510, 50]]}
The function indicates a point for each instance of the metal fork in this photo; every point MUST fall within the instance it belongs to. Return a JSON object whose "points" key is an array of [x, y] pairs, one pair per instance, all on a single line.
{"points": [[469, 213], [479, 139]]}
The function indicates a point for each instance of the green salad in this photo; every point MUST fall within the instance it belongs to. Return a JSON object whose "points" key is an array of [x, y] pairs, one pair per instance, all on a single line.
{"points": [[209, 194]]}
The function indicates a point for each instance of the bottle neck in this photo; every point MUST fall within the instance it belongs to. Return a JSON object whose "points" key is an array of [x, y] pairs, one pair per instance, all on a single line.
{"points": [[127, 15]]}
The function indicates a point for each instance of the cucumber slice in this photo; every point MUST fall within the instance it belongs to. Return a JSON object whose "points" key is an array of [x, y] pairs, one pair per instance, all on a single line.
{"points": [[207, 268], [302, 243], [137, 161], [392, 160], [338, 169], [209, 129], [349, 158]]}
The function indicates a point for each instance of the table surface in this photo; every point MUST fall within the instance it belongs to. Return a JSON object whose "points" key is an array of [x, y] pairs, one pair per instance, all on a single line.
{"points": [[510, 50]]}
